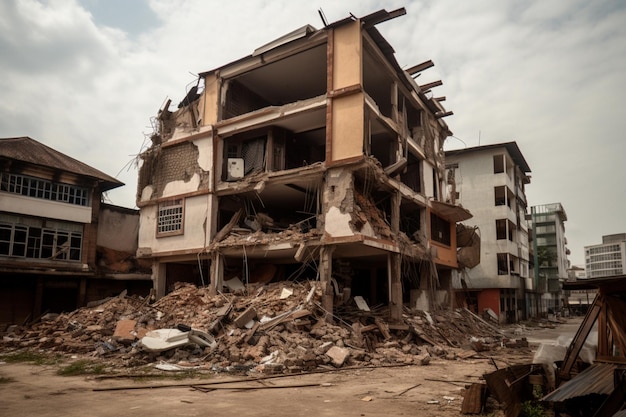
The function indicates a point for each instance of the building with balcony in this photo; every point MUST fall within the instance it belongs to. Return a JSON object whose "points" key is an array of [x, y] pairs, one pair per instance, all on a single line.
{"points": [[550, 257], [54, 233], [490, 182], [316, 157]]}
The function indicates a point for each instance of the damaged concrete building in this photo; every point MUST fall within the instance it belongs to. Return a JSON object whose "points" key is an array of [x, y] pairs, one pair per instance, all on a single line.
{"points": [[316, 157], [60, 246]]}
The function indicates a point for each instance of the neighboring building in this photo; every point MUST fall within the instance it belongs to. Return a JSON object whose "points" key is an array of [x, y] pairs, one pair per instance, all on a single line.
{"points": [[608, 258], [550, 256], [316, 157], [490, 182], [50, 214], [578, 300]]}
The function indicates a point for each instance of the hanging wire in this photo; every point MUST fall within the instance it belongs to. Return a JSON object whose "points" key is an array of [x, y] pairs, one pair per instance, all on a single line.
{"points": [[245, 268]]}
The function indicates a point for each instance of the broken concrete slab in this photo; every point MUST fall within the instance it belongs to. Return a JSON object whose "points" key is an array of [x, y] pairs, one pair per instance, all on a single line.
{"points": [[234, 284], [361, 303], [338, 355], [166, 339], [125, 331]]}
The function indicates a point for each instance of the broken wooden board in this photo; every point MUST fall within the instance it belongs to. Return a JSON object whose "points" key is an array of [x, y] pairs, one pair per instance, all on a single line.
{"points": [[474, 399], [245, 317]]}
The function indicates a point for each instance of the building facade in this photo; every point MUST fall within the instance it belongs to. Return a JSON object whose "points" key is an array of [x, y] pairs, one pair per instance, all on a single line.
{"points": [[608, 258], [550, 257], [316, 157], [490, 182], [579, 300], [50, 212]]}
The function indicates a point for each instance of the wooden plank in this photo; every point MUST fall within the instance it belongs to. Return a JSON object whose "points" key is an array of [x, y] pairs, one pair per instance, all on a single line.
{"points": [[250, 333], [226, 229], [245, 317], [581, 336], [384, 329], [420, 67], [473, 399], [428, 86]]}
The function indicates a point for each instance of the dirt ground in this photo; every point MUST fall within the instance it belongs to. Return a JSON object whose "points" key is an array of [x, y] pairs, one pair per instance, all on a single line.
{"points": [[432, 390]]}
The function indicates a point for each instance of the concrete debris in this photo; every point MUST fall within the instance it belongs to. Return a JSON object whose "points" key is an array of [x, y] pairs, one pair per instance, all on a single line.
{"points": [[338, 355], [254, 330]]}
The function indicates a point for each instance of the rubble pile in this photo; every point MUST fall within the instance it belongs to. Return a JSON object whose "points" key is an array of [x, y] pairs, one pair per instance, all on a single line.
{"points": [[274, 328]]}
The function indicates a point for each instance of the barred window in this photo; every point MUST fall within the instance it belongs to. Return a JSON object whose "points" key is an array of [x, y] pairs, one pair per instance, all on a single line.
{"points": [[170, 220]]}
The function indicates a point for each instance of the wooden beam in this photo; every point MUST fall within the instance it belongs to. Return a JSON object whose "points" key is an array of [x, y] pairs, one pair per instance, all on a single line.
{"points": [[428, 86], [441, 114], [581, 336], [420, 67], [229, 226], [382, 16], [442, 98]]}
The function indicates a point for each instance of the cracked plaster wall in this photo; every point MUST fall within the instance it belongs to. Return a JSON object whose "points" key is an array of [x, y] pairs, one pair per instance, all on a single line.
{"points": [[339, 202], [176, 169], [340, 216]]}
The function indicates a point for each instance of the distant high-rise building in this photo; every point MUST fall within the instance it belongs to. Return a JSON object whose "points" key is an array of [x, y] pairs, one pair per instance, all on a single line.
{"points": [[550, 254], [608, 258]]}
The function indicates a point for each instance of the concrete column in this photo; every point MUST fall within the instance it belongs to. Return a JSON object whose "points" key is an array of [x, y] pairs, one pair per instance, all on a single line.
{"points": [[326, 270], [159, 278], [217, 273], [82, 293], [395, 287]]}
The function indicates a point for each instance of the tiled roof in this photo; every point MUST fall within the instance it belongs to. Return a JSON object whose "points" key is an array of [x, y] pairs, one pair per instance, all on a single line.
{"points": [[30, 151]]}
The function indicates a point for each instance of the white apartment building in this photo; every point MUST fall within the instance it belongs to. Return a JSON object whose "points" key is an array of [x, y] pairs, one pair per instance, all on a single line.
{"points": [[608, 258], [490, 181]]}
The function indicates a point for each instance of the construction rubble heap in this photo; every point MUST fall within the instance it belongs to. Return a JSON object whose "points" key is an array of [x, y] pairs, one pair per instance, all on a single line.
{"points": [[272, 328]]}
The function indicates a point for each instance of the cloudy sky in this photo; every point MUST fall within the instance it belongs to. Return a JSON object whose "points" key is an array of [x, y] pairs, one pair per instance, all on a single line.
{"points": [[86, 76]]}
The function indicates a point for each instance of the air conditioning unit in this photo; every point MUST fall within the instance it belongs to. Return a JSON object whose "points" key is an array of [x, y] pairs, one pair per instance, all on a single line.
{"points": [[235, 169]]}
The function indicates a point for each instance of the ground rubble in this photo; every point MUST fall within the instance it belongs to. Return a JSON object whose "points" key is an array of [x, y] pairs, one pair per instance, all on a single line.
{"points": [[278, 327]]}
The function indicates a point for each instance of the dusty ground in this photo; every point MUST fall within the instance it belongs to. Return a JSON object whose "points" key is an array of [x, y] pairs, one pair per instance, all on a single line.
{"points": [[36, 390]]}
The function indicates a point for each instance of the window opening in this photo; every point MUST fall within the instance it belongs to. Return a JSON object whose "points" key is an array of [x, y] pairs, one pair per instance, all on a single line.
{"points": [[439, 229], [170, 217], [44, 189]]}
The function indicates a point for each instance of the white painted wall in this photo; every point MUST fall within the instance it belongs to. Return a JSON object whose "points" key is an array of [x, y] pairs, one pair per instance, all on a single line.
{"points": [[30, 206], [427, 171], [196, 227]]}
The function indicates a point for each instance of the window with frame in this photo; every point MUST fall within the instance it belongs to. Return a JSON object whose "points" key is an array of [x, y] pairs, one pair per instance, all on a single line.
{"points": [[501, 231], [170, 221], [44, 189], [37, 240], [503, 264], [439, 229], [498, 164]]}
